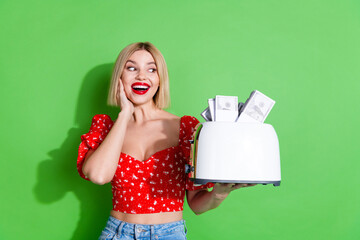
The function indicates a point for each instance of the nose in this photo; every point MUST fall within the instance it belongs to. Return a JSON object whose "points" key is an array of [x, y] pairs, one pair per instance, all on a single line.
{"points": [[141, 75]]}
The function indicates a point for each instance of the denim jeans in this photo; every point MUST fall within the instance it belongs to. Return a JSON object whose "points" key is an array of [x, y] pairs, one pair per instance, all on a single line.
{"points": [[119, 230]]}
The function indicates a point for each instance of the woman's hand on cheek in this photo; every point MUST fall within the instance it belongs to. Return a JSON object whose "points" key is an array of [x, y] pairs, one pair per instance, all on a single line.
{"points": [[125, 104], [222, 190]]}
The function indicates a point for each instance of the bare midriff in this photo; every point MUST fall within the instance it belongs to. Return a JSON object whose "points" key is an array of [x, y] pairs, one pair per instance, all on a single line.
{"points": [[152, 218]]}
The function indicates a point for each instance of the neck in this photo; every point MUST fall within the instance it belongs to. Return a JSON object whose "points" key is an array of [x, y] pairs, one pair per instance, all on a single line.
{"points": [[145, 112]]}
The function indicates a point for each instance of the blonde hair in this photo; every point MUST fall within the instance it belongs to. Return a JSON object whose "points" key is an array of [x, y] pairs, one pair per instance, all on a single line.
{"points": [[162, 96]]}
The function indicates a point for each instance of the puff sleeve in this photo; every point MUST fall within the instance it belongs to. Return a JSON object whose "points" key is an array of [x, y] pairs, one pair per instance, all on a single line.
{"points": [[189, 126], [100, 127]]}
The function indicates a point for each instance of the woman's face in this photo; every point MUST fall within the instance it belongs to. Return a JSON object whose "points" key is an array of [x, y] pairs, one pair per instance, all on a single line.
{"points": [[140, 77]]}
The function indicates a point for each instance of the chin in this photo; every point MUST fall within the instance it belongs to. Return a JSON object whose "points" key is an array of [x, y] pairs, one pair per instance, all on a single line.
{"points": [[141, 101], [140, 98]]}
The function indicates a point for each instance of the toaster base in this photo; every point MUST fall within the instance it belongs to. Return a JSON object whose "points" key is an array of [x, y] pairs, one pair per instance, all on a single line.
{"points": [[201, 181]]}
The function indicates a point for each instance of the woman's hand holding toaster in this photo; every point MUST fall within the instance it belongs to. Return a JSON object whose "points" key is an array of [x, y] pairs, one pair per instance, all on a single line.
{"points": [[202, 200], [222, 190]]}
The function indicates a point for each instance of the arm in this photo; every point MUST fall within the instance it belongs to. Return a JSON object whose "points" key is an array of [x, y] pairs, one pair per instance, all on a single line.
{"points": [[100, 165], [202, 200]]}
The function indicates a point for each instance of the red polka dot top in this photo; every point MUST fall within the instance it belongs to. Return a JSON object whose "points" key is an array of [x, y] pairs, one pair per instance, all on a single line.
{"points": [[152, 186]]}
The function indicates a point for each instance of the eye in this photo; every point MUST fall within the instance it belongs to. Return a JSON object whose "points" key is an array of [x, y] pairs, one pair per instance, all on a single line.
{"points": [[152, 70], [131, 68]]}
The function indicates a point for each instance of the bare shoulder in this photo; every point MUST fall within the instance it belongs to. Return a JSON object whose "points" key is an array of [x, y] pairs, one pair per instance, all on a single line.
{"points": [[170, 122], [168, 116]]}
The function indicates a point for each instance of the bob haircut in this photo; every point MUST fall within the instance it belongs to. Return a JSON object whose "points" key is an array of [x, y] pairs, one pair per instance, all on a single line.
{"points": [[162, 96]]}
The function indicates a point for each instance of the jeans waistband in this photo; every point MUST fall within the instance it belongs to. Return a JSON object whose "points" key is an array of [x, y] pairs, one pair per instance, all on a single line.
{"points": [[132, 228]]}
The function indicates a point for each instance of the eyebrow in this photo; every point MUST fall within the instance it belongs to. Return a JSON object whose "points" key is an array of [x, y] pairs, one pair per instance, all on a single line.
{"points": [[135, 62]]}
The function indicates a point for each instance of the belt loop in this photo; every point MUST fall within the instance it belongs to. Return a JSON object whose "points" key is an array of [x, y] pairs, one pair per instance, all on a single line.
{"points": [[185, 228], [152, 232], [118, 232]]}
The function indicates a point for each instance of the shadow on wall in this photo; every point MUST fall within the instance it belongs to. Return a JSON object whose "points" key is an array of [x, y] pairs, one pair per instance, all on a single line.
{"points": [[58, 175]]}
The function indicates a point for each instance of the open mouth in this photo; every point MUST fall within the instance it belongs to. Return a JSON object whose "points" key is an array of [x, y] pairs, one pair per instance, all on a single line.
{"points": [[140, 88]]}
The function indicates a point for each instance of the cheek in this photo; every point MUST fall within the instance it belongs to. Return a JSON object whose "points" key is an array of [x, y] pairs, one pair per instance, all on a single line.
{"points": [[126, 80], [125, 77], [156, 81], [127, 86]]}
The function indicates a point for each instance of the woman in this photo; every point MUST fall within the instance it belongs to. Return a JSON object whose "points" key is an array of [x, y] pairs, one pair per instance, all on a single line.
{"points": [[143, 153]]}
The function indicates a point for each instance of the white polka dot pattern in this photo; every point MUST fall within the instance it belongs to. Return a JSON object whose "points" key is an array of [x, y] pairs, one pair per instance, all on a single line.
{"points": [[155, 185]]}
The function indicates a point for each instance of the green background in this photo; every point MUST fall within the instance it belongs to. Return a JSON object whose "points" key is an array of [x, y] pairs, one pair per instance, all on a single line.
{"points": [[55, 63]]}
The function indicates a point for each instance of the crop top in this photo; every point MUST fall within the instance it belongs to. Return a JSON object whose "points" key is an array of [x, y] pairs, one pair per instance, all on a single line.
{"points": [[152, 186]]}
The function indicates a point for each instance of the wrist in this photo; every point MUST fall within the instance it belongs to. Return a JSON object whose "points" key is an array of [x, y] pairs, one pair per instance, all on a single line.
{"points": [[124, 115]]}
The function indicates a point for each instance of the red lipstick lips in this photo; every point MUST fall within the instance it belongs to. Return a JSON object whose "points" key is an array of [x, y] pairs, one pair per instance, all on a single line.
{"points": [[140, 88]]}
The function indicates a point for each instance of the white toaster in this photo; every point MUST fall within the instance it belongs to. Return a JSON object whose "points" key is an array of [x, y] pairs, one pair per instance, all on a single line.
{"points": [[231, 152]]}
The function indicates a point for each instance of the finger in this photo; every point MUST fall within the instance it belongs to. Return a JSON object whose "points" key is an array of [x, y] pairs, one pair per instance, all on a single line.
{"points": [[252, 184], [237, 186], [240, 185], [121, 86], [118, 90], [224, 185], [219, 186], [248, 184], [122, 93]]}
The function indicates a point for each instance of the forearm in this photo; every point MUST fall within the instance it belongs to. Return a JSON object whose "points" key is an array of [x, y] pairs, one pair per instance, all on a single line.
{"points": [[101, 165], [204, 201]]}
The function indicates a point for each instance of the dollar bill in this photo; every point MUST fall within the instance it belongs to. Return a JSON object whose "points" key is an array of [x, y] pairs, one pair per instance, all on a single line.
{"points": [[240, 106], [256, 108], [211, 102], [206, 114], [226, 108]]}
